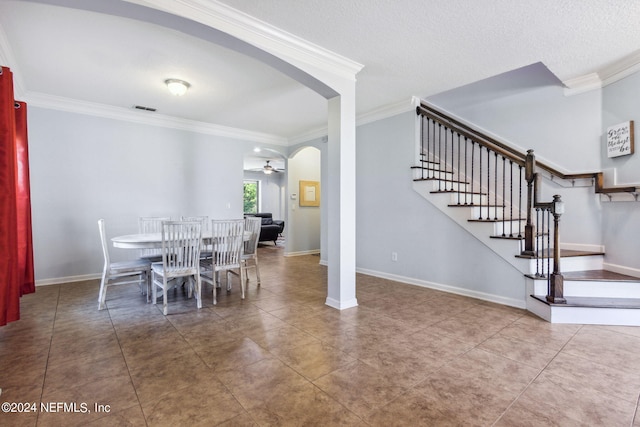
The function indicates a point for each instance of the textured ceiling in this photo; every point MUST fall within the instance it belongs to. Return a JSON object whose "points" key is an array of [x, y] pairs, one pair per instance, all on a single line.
{"points": [[408, 48]]}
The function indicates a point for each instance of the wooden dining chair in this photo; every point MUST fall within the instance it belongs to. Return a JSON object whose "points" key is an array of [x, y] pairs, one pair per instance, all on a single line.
{"points": [[228, 236], [151, 224], [252, 225], [181, 242], [122, 272]]}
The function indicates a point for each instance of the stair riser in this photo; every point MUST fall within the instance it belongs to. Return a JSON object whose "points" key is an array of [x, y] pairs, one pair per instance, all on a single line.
{"points": [[509, 227], [584, 315], [593, 289], [432, 173], [468, 199], [438, 185], [579, 263], [491, 212]]}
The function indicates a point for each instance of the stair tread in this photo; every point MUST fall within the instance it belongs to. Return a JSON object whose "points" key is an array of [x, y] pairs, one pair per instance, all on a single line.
{"points": [[563, 254], [475, 205], [443, 180], [475, 193], [594, 302], [599, 275]]}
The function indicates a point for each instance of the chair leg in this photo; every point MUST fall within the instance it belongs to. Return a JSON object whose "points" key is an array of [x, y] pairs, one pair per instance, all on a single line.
{"points": [[198, 292], [242, 281], [164, 295], [102, 294], [255, 261]]}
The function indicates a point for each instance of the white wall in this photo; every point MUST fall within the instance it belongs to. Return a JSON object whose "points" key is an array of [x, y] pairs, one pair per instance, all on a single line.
{"points": [[84, 168], [621, 220], [303, 222]]}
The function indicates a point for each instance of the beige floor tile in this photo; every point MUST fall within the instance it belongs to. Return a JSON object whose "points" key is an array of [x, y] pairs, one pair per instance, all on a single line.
{"points": [[406, 355], [205, 402], [361, 388], [315, 360], [261, 382]]}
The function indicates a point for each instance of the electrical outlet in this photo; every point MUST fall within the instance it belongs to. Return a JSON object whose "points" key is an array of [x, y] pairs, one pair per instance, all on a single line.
{"points": [[394, 256]]}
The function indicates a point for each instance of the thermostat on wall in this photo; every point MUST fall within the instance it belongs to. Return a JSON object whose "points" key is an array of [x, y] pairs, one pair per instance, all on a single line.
{"points": [[294, 196]]}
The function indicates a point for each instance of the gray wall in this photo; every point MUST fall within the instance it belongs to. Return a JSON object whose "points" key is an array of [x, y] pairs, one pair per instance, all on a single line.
{"points": [[621, 220], [84, 168]]}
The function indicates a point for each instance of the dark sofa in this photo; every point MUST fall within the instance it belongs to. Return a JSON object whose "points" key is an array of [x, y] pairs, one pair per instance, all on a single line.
{"points": [[270, 228]]}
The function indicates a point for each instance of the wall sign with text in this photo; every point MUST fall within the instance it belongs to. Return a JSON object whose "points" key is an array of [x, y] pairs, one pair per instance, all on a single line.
{"points": [[620, 139]]}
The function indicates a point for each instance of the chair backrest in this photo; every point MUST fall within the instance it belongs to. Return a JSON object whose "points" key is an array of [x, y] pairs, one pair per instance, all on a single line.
{"points": [[228, 236], [206, 225], [151, 224], [181, 247], [105, 245], [253, 226]]}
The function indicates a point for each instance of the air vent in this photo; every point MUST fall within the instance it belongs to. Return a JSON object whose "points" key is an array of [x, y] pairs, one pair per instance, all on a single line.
{"points": [[142, 107]]}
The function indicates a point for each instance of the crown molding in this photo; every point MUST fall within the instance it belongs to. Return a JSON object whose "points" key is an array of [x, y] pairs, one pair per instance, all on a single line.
{"points": [[618, 70], [257, 33], [381, 113], [148, 118]]}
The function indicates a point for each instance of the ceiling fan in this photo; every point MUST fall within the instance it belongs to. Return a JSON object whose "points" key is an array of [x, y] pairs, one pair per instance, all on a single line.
{"points": [[268, 169]]}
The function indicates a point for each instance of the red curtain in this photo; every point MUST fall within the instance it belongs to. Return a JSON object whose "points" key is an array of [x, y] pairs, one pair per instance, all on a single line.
{"points": [[16, 250]]}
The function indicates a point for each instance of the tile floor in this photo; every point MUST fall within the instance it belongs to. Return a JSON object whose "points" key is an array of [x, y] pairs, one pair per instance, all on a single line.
{"points": [[405, 356]]}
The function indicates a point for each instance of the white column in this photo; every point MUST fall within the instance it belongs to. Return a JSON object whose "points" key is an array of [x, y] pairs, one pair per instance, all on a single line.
{"points": [[341, 286]]}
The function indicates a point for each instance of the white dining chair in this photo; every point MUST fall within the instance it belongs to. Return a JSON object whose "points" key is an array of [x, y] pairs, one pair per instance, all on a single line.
{"points": [[122, 272], [180, 258], [252, 225], [205, 249], [151, 224], [228, 236]]}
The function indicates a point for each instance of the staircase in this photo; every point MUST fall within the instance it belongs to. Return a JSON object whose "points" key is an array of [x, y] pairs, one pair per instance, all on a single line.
{"points": [[491, 191]]}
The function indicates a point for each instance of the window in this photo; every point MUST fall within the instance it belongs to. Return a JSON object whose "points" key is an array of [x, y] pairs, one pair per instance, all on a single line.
{"points": [[251, 196]]}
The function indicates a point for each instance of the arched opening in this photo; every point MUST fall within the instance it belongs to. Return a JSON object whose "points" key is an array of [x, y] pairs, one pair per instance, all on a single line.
{"points": [[304, 218]]}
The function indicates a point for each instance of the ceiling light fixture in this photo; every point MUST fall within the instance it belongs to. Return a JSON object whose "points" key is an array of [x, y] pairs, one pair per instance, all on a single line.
{"points": [[177, 87]]}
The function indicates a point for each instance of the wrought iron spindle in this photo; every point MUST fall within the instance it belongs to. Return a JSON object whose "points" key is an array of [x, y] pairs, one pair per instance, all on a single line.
{"points": [[459, 180], [480, 183]]}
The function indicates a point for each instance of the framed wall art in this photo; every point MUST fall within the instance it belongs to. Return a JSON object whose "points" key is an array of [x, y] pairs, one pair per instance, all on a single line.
{"points": [[309, 193], [620, 139]]}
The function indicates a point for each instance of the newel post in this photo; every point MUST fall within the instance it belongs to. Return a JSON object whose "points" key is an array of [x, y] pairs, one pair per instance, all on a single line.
{"points": [[556, 287], [529, 230]]}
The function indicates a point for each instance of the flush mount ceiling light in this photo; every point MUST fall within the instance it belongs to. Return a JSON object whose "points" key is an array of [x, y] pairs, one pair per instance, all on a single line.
{"points": [[177, 87]]}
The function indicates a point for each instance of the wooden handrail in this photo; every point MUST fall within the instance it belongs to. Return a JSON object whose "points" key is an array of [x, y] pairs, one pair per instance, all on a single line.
{"points": [[517, 156]]}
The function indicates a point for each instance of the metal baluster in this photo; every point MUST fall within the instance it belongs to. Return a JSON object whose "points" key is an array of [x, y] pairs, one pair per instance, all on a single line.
{"points": [[465, 171], [495, 185], [548, 245], [480, 184], [473, 149], [440, 156], [422, 152], [520, 205], [536, 248], [433, 151], [511, 198], [488, 184], [504, 194], [459, 180]]}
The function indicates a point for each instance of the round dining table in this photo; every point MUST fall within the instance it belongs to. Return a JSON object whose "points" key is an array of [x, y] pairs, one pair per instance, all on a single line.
{"points": [[154, 240]]}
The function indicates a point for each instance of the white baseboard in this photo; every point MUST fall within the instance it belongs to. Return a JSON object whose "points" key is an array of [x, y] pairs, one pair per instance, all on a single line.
{"points": [[446, 288], [331, 302], [622, 269], [582, 247], [69, 279], [301, 253]]}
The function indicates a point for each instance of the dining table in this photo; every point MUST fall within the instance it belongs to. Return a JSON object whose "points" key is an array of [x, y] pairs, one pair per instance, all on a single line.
{"points": [[154, 240]]}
